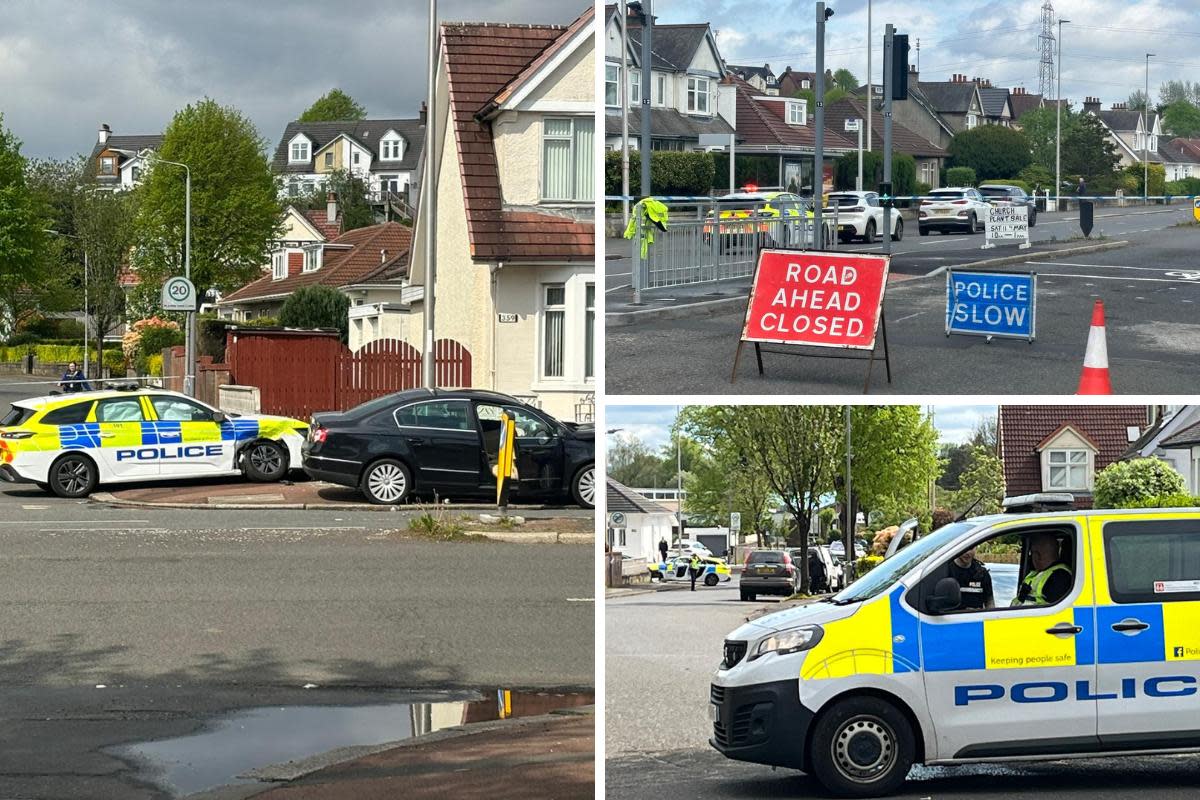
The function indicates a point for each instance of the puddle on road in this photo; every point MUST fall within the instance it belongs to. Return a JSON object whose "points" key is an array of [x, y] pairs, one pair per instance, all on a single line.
{"points": [[249, 739]]}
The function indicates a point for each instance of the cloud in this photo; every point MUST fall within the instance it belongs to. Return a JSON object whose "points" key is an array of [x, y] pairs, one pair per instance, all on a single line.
{"points": [[955, 424], [69, 66]]}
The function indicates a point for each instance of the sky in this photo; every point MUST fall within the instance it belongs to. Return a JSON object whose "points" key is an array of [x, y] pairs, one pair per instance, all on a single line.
{"points": [[652, 424], [66, 66], [1103, 53]]}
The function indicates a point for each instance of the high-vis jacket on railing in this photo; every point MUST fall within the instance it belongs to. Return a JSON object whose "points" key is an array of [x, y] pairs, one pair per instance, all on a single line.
{"points": [[655, 216]]}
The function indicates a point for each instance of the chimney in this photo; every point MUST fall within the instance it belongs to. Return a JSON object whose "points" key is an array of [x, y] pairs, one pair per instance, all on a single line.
{"points": [[424, 112], [104, 133], [1091, 104], [331, 207]]}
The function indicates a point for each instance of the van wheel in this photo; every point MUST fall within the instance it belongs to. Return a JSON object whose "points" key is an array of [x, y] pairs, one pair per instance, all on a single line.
{"points": [[265, 462], [711, 580], [73, 475], [862, 747], [386, 482]]}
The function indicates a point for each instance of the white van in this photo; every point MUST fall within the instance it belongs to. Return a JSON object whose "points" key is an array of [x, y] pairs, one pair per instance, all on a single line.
{"points": [[1090, 645]]}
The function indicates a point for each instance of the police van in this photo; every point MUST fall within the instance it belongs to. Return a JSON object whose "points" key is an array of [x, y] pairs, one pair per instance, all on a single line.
{"points": [[1092, 648], [68, 444]]}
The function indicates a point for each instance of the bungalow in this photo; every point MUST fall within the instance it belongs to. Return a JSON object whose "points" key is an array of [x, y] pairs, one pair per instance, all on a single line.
{"points": [[1181, 158], [929, 157]]}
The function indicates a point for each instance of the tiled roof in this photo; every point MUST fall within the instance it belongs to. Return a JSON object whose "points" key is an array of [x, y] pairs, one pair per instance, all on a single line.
{"points": [[904, 139], [1180, 151], [994, 99], [1120, 120], [134, 143], [1022, 103], [666, 123], [319, 219], [619, 497], [366, 132], [953, 97], [747, 72], [672, 46], [1189, 436], [481, 59], [761, 123], [339, 267], [1022, 429]]}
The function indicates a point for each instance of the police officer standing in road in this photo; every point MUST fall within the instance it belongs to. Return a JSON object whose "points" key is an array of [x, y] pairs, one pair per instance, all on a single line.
{"points": [[974, 581], [694, 569]]}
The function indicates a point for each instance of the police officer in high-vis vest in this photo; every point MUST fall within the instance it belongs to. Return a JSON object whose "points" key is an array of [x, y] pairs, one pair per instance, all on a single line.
{"points": [[974, 581], [1048, 579], [695, 569]]}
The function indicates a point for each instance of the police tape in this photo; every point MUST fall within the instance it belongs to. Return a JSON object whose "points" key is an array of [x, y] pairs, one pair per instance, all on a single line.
{"points": [[97, 384], [693, 199]]}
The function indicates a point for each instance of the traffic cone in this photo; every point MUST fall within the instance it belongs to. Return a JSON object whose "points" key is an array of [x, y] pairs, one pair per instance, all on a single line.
{"points": [[1094, 379]]}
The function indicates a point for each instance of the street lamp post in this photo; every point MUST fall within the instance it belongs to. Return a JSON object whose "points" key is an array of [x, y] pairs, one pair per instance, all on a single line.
{"points": [[1146, 136], [1058, 123], [86, 316]]}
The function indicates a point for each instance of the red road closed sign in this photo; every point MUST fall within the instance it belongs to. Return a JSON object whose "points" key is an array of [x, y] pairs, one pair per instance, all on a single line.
{"points": [[821, 299]]}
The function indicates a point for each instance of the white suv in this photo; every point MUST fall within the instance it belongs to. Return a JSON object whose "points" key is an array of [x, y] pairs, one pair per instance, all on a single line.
{"points": [[952, 208], [860, 214]]}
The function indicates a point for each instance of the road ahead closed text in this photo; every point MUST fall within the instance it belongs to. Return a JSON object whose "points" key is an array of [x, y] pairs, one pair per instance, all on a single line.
{"points": [[816, 299]]}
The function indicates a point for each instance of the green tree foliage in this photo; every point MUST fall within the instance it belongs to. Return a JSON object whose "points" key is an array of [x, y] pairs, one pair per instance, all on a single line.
{"points": [[895, 458], [317, 307], [1136, 175], [993, 151], [1123, 484], [844, 79], [1136, 100], [678, 173], [982, 478], [1186, 186], [961, 176], [1181, 118], [1037, 177], [1087, 152], [23, 217], [1175, 90], [353, 204], [1040, 129], [833, 93], [235, 211], [904, 172], [53, 184], [334, 106], [105, 221]]}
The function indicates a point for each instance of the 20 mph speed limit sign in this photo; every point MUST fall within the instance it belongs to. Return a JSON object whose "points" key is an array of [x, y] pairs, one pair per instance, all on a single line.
{"points": [[178, 294]]}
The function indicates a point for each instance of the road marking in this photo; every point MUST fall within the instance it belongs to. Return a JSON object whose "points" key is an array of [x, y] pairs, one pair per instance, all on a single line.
{"points": [[60, 521], [617, 274], [34, 508], [1107, 277], [619, 288], [91, 529], [1103, 266], [581, 599], [910, 316]]}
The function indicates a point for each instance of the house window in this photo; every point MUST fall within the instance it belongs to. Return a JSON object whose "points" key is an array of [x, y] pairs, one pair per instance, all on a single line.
{"points": [[635, 87], [589, 331], [279, 265], [135, 174], [329, 159], [393, 149], [972, 121], [805, 84], [567, 159], [389, 183], [312, 259], [612, 75], [795, 114], [108, 165], [660, 90], [697, 96], [1067, 469], [666, 144], [299, 151], [354, 158], [554, 314], [293, 187]]}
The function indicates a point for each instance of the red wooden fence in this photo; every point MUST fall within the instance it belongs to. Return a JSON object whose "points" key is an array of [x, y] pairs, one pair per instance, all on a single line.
{"points": [[301, 372]]}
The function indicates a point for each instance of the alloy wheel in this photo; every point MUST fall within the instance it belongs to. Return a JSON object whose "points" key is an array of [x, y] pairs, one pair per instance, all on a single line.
{"points": [[266, 459], [587, 485], [387, 482], [73, 476]]}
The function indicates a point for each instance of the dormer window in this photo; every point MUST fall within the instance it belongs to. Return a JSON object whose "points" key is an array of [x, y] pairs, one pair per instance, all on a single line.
{"points": [[697, 95], [108, 165], [299, 151], [391, 147], [805, 84], [796, 114], [312, 258], [279, 268]]}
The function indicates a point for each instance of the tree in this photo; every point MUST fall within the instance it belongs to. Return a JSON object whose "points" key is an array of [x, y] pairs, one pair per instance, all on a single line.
{"points": [[844, 79], [353, 203], [105, 221], [630, 461], [982, 481], [1175, 90], [1041, 132], [1181, 118], [955, 459], [22, 241], [317, 307], [993, 151], [334, 106], [1125, 484], [894, 459], [235, 206], [1087, 152], [1136, 101], [54, 184]]}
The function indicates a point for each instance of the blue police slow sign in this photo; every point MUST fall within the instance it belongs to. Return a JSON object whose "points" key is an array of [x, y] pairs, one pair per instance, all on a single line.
{"points": [[991, 304]]}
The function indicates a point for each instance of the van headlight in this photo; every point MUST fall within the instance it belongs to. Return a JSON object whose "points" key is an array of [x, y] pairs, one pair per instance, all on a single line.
{"points": [[792, 640]]}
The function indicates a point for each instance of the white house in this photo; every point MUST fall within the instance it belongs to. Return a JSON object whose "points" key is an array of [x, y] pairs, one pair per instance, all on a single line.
{"points": [[686, 96], [1132, 136], [1175, 438], [636, 525], [116, 161]]}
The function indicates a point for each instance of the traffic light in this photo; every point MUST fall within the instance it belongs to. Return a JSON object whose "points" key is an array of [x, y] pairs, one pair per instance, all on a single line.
{"points": [[900, 66]]}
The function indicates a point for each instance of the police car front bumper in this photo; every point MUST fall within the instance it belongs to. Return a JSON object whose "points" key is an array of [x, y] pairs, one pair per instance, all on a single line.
{"points": [[762, 723]]}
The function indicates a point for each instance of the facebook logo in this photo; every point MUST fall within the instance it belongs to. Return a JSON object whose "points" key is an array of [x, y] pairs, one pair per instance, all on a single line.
{"points": [[1179, 652]]}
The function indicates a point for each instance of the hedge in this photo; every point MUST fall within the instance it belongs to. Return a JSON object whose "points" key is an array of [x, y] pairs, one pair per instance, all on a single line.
{"points": [[671, 172], [960, 176], [904, 172], [1188, 186], [114, 359]]}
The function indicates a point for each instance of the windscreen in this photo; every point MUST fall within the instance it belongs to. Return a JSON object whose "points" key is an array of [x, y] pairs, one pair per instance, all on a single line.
{"points": [[889, 571], [988, 191]]}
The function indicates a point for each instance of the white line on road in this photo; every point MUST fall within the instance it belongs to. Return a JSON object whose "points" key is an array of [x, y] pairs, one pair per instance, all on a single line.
{"points": [[1093, 266], [93, 529], [581, 599], [1111, 278], [60, 521], [616, 274], [619, 288]]}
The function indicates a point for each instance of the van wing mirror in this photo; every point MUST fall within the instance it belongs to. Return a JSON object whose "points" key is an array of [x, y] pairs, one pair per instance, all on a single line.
{"points": [[946, 596]]}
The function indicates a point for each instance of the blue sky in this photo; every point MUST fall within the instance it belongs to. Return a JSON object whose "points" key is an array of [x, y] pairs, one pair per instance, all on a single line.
{"points": [[1104, 46], [652, 424]]}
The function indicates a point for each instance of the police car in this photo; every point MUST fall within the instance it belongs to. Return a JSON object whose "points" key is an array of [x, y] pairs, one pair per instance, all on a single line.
{"points": [[68, 444], [894, 670], [714, 570]]}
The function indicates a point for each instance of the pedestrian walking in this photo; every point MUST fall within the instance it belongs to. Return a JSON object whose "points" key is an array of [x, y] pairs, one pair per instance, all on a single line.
{"points": [[73, 380], [1081, 189], [662, 549], [694, 570]]}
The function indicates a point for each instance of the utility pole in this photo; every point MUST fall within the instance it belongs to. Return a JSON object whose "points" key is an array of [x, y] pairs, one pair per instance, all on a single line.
{"points": [[1058, 124], [679, 478], [647, 55], [1146, 136], [889, 75], [624, 12], [870, 88], [818, 242], [848, 532], [429, 206]]}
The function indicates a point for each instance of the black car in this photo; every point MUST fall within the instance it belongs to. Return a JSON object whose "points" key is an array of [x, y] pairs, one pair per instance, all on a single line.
{"points": [[445, 443], [999, 194]]}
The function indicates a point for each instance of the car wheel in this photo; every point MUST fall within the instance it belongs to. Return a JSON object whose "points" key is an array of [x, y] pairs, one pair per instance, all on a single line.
{"points": [[869, 233], [583, 487], [862, 747], [922, 231], [386, 482], [1033, 219], [265, 461], [711, 580], [899, 233], [971, 228], [73, 475]]}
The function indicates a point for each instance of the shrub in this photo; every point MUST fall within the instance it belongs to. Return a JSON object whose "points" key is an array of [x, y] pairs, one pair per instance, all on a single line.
{"points": [[883, 538], [904, 172], [671, 172], [1037, 176], [1158, 178], [923, 189], [960, 176], [1134, 481], [317, 307], [154, 365], [1186, 186], [993, 151], [148, 337], [114, 361], [942, 517], [866, 564], [1167, 501]]}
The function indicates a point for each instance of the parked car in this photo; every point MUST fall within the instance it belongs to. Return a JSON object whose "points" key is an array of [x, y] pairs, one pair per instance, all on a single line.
{"points": [[1000, 195], [446, 442], [69, 444], [769, 572], [833, 568], [689, 546], [714, 570], [954, 208], [837, 549], [860, 214], [777, 219]]}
